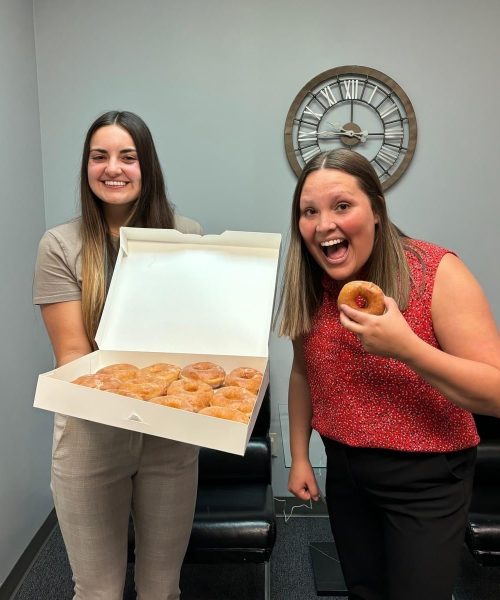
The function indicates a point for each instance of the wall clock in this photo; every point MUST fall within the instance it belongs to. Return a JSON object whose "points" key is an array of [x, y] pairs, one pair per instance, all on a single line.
{"points": [[353, 107]]}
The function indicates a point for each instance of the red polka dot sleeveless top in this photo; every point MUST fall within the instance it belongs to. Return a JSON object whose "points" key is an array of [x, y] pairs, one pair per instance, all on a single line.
{"points": [[371, 401]]}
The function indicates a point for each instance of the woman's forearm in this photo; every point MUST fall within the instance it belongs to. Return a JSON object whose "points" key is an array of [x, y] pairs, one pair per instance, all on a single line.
{"points": [[299, 414], [469, 384]]}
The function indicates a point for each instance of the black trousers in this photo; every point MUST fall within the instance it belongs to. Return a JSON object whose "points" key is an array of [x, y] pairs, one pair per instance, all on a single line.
{"points": [[398, 519]]}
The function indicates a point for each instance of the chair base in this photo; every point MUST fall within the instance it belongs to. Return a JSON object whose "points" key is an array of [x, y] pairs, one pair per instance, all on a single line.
{"points": [[328, 578], [226, 580]]}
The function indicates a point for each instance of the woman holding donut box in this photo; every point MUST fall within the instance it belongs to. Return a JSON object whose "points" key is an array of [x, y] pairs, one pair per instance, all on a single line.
{"points": [[390, 393], [100, 474]]}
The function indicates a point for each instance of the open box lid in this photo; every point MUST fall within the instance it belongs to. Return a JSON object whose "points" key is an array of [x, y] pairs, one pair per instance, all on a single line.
{"points": [[186, 293]]}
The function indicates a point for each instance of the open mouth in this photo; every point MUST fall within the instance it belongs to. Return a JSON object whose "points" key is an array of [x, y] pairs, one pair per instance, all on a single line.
{"points": [[115, 184], [335, 249]]}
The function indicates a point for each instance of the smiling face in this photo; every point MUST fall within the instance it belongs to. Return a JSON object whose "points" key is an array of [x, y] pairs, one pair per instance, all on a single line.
{"points": [[113, 171], [337, 223]]}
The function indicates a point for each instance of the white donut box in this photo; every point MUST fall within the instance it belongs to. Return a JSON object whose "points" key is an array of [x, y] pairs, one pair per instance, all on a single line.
{"points": [[177, 298]]}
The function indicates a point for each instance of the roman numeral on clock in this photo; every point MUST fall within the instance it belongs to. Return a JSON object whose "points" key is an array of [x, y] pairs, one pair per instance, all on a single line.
{"points": [[308, 111], [394, 133], [310, 153], [387, 155], [328, 95], [351, 89]]}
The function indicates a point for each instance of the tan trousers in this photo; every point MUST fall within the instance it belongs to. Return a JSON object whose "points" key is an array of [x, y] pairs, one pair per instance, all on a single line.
{"points": [[100, 475]]}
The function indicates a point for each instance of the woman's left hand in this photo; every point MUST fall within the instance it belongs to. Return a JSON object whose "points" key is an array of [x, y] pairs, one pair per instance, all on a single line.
{"points": [[385, 335]]}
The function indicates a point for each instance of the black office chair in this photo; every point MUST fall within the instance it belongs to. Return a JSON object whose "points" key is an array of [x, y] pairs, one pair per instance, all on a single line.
{"points": [[234, 519], [483, 528]]}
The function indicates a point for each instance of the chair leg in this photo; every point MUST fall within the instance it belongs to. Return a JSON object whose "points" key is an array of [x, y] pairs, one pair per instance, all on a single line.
{"points": [[267, 580]]}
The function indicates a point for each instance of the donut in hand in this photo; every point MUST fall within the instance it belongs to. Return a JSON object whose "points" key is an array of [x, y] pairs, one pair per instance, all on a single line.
{"points": [[364, 296]]}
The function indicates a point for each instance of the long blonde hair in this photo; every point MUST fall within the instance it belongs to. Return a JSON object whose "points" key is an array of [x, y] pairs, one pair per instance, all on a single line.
{"points": [[151, 209], [387, 266]]}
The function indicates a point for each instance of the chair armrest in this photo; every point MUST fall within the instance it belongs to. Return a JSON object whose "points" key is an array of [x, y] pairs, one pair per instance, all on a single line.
{"points": [[254, 466], [488, 463]]}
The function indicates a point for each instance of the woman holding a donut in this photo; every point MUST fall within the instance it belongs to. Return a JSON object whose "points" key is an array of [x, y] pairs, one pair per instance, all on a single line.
{"points": [[390, 393], [100, 474]]}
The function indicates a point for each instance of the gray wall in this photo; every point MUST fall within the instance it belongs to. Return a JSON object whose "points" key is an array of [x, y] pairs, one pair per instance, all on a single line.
{"points": [[25, 499], [214, 80]]}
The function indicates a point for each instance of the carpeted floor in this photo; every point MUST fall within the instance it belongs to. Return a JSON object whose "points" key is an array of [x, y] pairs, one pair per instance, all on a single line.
{"points": [[291, 572]]}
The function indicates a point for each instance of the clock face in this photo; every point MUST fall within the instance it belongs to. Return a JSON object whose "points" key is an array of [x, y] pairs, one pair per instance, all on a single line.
{"points": [[357, 108]]}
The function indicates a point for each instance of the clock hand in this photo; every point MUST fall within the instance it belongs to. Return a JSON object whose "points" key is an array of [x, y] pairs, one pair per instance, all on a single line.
{"points": [[360, 135], [336, 127], [329, 134]]}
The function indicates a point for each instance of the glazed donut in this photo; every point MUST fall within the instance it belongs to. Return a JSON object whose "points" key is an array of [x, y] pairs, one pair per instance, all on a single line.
{"points": [[102, 381], [207, 372], [160, 373], [162, 370], [121, 391], [245, 377], [122, 371], [157, 381], [173, 401], [223, 412], [233, 396], [198, 393], [138, 389], [364, 296]]}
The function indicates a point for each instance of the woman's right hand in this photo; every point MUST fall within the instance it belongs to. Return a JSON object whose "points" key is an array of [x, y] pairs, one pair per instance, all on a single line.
{"points": [[302, 481], [386, 335]]}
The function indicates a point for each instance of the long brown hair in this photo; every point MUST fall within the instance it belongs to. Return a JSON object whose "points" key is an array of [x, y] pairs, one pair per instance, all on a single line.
{"points": [[151, 209], [387, 265]]}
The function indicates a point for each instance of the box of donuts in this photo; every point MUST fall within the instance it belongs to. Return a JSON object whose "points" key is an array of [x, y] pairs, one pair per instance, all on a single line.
{"points": [[183, 339]]}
